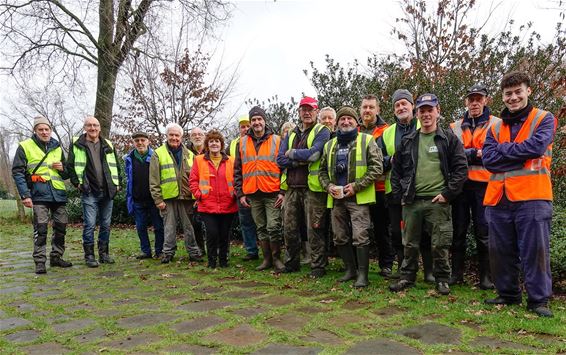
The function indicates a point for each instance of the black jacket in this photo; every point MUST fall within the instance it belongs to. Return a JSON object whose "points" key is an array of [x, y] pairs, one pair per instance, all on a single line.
{"points": [[40, 191], [88, 183], [452, 163]]}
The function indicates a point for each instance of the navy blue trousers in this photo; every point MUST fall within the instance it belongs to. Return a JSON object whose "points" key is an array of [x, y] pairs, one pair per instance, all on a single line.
{"points": [[519, 234]]}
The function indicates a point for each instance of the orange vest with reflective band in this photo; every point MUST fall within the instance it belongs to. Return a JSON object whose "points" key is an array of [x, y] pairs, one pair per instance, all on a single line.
{"points": [[204, 175], [376, 133], [474, 140], [259, 169], [532, 182]]}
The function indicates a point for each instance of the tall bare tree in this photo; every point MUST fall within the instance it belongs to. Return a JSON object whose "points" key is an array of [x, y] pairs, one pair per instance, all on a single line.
{"points": [[69, 36]]}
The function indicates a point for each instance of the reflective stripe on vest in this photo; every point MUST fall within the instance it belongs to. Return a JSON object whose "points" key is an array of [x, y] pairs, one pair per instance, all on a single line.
{"points": [[81, 157], [259, 169], [474, 140], [389, 142], [314, 167], [168, 173], [34, 154], [233, 145], [532, 181], [376, 133], [363, 141], [204, 175]]}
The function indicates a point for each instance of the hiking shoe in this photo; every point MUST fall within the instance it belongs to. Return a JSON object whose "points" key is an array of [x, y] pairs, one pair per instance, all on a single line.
{"points": [[400, 285], [443, 288], [143, 256], [501, 300], [250, 257], [40, 268], [59, 262], [541, 311], [166, 259], [317, 273], [290, 270], [386, 272]]}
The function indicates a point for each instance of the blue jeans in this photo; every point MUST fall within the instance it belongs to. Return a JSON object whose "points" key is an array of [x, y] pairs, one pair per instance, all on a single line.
{"points": [[143, 212], [96, 208], [247, 226]]}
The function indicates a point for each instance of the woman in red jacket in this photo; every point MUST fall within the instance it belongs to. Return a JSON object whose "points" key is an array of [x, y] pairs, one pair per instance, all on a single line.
{"points": [[212, 183]]}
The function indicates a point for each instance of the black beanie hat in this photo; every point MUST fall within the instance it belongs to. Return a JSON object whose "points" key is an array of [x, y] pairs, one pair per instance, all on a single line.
{"points": [[257, 111]]}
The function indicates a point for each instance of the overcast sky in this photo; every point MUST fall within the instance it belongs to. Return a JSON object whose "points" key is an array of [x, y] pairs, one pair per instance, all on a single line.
{"points": [[273, 41]]}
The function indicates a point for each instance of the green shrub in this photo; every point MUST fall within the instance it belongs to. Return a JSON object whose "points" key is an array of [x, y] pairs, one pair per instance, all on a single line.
{"points": [[558, 245]]}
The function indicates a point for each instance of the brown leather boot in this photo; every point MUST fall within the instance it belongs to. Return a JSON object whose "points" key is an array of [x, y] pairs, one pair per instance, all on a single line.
{"points": [[267, 258], [276, 253]]}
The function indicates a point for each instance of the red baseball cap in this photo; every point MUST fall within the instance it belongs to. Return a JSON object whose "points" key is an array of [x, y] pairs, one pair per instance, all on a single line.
{"points": [[309, 101]]}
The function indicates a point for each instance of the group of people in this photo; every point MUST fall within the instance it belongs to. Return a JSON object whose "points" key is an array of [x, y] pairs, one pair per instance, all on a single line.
{"points": [[411, 188]]}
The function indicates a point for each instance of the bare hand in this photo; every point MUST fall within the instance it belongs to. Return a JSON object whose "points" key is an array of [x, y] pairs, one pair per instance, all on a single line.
{"points": [[439, 198], [479, 153], [349, 190], [334, 191], [161, 206], [244, 202], [27, 202], [57, 166], [279, 200]]}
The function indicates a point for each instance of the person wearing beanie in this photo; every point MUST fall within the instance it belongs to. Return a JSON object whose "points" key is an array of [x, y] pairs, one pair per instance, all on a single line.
{"points": [[94, 170], [518, 199], [350, 164], [372, 123], [257, 184], [471, 130], [247, 225], [39, 172], [305, 200], [429, 171], [389, 143]]}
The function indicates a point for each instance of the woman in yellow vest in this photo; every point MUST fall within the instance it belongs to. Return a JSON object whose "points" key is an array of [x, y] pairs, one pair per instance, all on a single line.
{"points": [[212, 183]]}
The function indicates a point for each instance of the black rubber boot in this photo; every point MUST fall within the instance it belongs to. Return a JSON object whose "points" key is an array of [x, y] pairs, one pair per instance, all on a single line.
{"points": [[427, 265], [267, 259], [362, 254], [347, 255], [90, 260], [458, 263], [103, 255], [485, 273], [278, 265]]}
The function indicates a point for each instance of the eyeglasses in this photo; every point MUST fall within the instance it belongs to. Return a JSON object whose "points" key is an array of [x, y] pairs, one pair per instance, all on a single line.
{"points": [[92, 125]]}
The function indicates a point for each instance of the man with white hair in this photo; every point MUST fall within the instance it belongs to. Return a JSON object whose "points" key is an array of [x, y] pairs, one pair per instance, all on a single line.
{"points": [[169, 170], [93, 169]]}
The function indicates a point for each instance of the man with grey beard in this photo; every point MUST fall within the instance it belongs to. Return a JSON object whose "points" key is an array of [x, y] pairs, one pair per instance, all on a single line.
{"points": [[350, 164]]}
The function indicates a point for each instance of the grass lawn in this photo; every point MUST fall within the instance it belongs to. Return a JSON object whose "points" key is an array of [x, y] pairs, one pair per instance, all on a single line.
{"points": [[145, 307]]}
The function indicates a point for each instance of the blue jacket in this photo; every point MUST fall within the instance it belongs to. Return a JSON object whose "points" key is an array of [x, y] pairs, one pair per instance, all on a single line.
{"points": [[129, 178], [498, 158], [40, 191]]}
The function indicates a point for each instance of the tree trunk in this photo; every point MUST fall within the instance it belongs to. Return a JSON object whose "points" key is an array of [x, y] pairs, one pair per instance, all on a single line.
{"points": [[107, 74]]}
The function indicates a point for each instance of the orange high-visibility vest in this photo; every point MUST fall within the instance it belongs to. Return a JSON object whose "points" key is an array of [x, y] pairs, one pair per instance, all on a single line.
{"points": [[474, 140], [204, 175], [376, 133], [532, 182], [259, 169]]}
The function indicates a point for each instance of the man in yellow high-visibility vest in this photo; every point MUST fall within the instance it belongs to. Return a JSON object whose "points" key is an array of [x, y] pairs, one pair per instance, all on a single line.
{"points": [[94, 170], [41, 159], [169, 171]]}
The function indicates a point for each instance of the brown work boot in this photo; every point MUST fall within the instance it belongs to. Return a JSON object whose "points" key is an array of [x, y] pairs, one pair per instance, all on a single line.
{"points": [[267, 258]]}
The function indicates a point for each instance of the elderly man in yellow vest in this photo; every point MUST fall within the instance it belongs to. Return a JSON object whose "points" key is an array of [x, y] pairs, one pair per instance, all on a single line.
{"points": [[93, 169], [169, 170], [38, 170], [350, 165]]}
